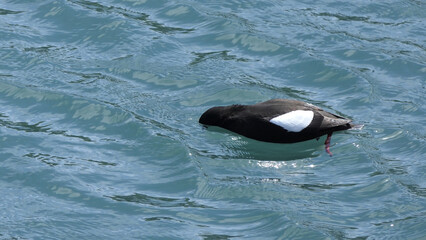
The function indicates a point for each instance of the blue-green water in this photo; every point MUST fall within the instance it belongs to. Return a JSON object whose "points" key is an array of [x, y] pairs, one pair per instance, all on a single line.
{"points": [[99, 108]]}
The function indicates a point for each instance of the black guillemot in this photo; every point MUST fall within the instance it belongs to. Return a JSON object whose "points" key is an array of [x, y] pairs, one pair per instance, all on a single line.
{"points": [[277, 121]]}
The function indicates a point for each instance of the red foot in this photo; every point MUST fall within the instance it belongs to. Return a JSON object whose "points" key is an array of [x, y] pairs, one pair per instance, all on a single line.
{"points": [[327, 144]]}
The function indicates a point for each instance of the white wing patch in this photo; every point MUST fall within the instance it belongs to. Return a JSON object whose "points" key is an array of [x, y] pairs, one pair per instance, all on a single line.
{"points": [[294, 121]]}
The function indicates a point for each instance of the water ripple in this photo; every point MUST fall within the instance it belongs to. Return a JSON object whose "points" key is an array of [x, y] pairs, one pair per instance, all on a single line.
{"points": [[99, 108], [158, 201]]}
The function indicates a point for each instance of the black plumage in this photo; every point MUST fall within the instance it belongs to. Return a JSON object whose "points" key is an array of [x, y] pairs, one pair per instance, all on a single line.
{"points": [[253, 121]]}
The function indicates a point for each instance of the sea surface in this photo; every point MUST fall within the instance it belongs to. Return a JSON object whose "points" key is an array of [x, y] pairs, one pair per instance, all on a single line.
{"points": [[99, 109]]}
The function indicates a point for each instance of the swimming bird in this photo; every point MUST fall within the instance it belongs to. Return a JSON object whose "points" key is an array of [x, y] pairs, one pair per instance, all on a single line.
{"points": [[277, 121]]}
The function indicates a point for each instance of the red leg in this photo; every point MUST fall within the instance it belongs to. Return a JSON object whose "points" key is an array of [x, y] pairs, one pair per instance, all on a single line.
{"points": [[327, 144]]}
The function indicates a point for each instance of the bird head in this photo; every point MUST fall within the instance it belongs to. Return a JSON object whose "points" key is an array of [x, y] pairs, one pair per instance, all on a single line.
{"points": [[214, 116]]}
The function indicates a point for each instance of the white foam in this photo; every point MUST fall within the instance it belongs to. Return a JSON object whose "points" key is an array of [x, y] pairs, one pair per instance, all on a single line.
{"points": [[294, 121]]}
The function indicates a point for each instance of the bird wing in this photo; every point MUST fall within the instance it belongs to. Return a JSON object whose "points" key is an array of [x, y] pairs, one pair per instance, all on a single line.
{"points": [[282, 106]]}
